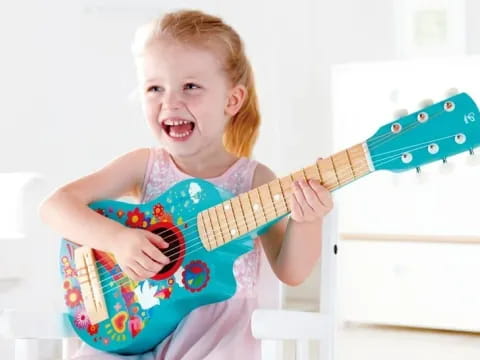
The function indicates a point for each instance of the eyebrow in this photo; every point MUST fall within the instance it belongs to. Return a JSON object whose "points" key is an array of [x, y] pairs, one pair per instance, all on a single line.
{"points": [[186, 78]]}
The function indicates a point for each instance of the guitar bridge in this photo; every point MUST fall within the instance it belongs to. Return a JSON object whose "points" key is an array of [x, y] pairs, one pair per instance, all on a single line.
{"points": [[90, 287]]}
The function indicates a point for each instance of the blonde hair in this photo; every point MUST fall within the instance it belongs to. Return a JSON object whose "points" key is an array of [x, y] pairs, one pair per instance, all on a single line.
{"points": [[196, 27]]}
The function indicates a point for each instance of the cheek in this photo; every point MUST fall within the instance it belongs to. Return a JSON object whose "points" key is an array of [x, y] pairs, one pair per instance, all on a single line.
{"points": [[207, 107], [150, 109]]}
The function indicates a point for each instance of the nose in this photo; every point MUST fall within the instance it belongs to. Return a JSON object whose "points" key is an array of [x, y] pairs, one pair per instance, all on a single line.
{"points": [[171, 100]]}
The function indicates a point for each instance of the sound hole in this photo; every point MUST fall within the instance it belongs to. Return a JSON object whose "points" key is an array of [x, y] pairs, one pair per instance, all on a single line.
{"points": [[175, 251]]}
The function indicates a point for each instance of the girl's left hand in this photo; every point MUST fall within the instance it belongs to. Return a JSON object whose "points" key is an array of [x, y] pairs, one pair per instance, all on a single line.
{"points": [[310, 201]]}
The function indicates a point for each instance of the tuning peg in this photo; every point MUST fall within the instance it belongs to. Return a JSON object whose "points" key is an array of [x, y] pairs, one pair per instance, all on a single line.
{"points": [[451, 92], [473, 159], [399, 113], [421, 177], [446, 167], [425, 103]]}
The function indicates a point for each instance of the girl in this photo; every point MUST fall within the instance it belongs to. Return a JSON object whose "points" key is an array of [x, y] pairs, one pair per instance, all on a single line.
{"points": [[199, 99]]}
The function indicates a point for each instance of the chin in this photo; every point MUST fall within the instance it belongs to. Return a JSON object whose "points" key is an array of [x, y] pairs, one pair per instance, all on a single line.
{"points": [[181, 150]]}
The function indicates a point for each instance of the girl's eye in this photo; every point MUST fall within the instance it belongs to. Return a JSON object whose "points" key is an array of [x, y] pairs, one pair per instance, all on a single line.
{"points": [[154, 89], [191, 86]]}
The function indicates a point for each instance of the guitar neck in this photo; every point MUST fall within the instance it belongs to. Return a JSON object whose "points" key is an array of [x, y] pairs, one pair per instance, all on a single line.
{"points": [[249, 211]]}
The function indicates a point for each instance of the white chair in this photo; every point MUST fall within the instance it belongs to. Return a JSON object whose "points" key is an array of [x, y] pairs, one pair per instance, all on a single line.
{"points": [[34, 330], [273, 326], [22, 284]]}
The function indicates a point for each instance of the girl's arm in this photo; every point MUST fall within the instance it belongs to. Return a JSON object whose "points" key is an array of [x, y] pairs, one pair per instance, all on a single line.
{"points": [[293, 244], [67, 213]]}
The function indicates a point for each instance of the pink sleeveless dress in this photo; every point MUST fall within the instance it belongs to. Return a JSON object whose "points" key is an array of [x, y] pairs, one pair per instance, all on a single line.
{"points": [[216, 331]]}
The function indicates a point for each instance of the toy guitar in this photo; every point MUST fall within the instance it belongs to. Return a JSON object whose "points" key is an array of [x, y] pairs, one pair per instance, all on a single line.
{"points": [[207, 230]]}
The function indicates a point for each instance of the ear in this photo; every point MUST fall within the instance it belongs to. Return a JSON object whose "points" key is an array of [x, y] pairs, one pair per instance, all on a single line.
{"points": [[235, 99]]}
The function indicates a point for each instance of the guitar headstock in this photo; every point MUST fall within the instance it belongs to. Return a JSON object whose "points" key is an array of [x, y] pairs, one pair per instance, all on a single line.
{"points": [[435, 132]]}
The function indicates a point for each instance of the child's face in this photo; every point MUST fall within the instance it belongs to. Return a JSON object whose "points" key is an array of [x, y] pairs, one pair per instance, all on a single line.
{"points": [[185, 95]]}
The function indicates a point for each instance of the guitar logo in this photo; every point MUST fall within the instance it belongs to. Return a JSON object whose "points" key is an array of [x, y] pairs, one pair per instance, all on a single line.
{"points": [[469, 118]]}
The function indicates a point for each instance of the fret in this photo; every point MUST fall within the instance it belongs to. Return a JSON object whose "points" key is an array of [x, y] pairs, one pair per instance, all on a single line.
{"points": [[257, 207], [312, 172], [298, 175], [278, 198], [342, 167], [329, 176], [203, 232], [217, 231], [210, 231], [223, 223], [354, 175], [357, 159], [267, 202], [231, 219], [286, 183], [248, 211], [239, 217]]}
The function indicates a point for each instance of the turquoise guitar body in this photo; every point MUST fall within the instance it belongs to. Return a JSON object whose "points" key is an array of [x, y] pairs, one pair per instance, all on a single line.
{"points": [[141, 314]]}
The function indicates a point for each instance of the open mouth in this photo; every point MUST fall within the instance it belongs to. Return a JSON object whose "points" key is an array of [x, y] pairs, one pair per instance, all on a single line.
{"points": [[178, 129]]}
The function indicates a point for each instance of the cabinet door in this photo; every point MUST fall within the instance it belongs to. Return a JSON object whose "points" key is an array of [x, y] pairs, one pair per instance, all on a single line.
{"points": [[420, 284]]}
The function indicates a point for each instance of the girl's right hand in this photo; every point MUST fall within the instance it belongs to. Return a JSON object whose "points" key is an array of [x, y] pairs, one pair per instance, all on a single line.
{"points": [[137, 253]]}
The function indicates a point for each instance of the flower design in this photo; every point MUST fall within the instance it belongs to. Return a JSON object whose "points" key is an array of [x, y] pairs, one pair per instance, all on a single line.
{"points": [[195, 276], [73, 297], [67, 284], [158, 211], [135, 218], [81, 320], [69, 271], [92, 329]]}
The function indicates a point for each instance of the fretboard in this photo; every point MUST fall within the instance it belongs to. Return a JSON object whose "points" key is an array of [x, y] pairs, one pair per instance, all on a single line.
{"points": [[248, 211]]}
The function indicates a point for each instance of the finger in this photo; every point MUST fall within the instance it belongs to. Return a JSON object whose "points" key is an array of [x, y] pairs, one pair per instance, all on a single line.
{"points": [[157, 240], [323, 194], [155, 254], [132, 274], [149, 265], [317, 196], [142, 271], [300, 194], [297, 212], [311, 197]]}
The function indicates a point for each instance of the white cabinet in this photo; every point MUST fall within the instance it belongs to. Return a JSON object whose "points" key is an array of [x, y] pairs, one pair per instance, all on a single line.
{"points": [[420, 284]]}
